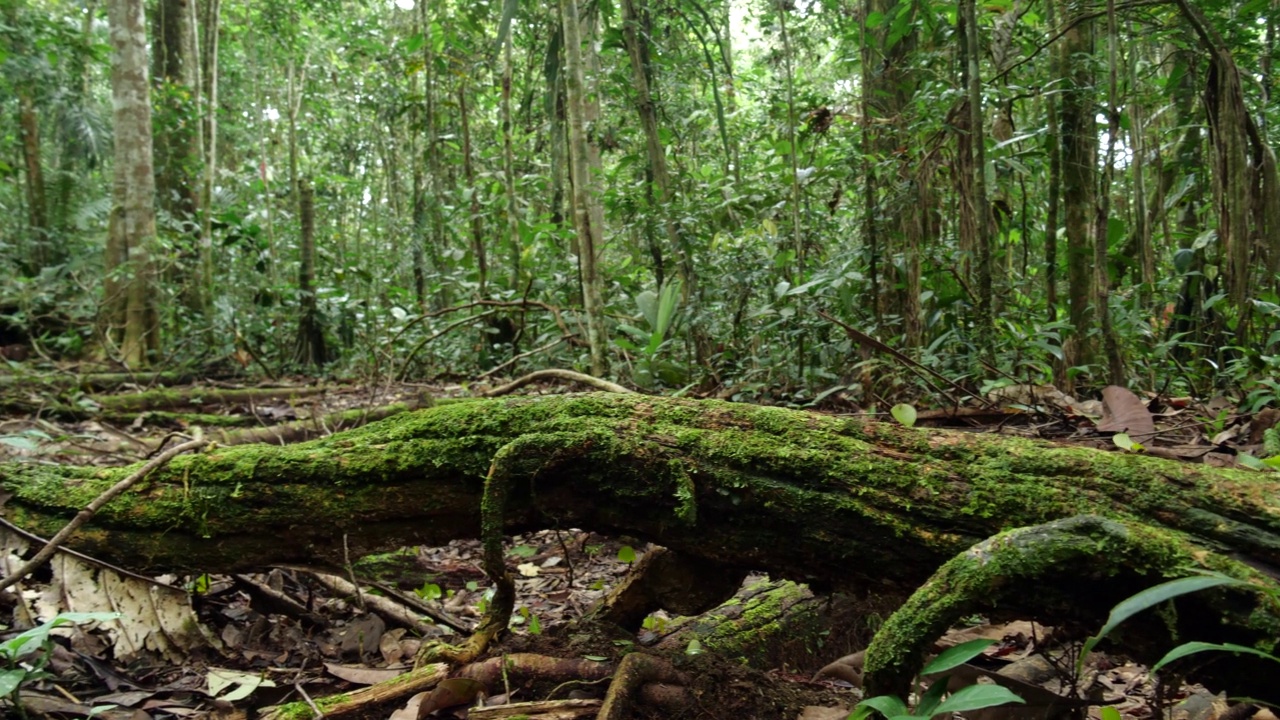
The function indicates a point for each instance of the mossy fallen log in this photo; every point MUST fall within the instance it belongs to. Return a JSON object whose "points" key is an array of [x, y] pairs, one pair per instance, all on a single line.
{"points": [[833, 501]]}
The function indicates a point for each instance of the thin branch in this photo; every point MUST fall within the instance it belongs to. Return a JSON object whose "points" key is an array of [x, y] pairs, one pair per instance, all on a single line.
{"points": [[92, 508]]}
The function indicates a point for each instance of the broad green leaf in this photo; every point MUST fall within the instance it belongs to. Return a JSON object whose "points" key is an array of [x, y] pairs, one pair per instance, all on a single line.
{"points": [[904, 413], [1110, 713], [886, 705], [1122, 441], [627, 554], [694, 647], [11, 680], [976, 697], [874, 20], [1151, 597], [954, 657], [1192, 648]]}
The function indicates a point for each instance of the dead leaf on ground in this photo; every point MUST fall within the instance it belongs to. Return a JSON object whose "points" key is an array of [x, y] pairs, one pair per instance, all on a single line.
{"points": [[1125, 412]]}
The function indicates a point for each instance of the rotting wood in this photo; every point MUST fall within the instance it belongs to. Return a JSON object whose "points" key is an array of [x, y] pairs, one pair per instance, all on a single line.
{"points": [[541, 710], [167, 398], [834, 501]]}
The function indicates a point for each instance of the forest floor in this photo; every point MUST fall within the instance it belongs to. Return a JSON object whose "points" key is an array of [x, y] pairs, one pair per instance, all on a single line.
{"points": [[289, 633]]}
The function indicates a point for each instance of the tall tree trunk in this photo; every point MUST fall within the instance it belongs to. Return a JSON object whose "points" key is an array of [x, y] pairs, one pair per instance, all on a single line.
{"points": [[209, 79], [978, 196], [37, 215], [1102, 282], [309, 349], [892, 224], [509, 165], [433, 186], [1054, 151], [177, 143], [468, 170], [633, 14], [1079, 140], [131, 231], [586, 198], [797, 230]]}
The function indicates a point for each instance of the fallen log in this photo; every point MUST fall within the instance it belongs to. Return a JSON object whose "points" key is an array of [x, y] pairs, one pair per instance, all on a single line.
{"points": [[837, 502]]}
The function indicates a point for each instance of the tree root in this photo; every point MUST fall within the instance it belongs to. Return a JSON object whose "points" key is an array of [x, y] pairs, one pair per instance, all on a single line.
{"points": [[555, 374], [1076, 568], [634, 672]]}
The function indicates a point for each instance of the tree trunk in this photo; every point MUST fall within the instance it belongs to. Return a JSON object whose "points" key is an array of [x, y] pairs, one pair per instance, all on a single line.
{"points": [[478, 248], [177, 144], [37, 215], [209, 80], [633, 14], [509, 166], [836, 502], [131, 231], [977, 197], [1079, 139], [586, 197]]}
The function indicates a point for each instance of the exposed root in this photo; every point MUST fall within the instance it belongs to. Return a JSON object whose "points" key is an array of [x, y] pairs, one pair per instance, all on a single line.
{"points": [[633, 673], [555, 374]]}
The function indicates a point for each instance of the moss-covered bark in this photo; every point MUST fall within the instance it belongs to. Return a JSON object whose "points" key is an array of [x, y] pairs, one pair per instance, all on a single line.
{"points": [[834, 501]]}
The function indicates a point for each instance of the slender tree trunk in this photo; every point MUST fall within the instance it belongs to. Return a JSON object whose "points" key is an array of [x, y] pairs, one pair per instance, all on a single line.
{"points": [[468, 169], [1143, 251], [310, 346], [434, 171], [633, 13], [1054, 152], [1102, 283], [509, 165], [585, 195], [132, 227], [209, 77], [37, 214], [1079, 140], [981, 206], [797, 231], [177, 144]]}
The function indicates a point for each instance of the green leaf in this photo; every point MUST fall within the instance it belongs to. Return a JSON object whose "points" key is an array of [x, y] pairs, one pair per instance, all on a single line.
{"points": [[874, 20], [1123, 441], [904, 413], [1252, 462], [886, 705], [1110, 713], [627, 554], [931, 699], [595, 658], [954, 657], [18, 441], [1192, 648], [976, 697], [414, 43], [1151, 597], [694, 647], [524, 551], [11, 680]]}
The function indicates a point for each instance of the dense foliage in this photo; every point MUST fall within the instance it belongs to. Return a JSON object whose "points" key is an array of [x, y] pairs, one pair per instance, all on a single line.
{"points": [[1074, 193]]}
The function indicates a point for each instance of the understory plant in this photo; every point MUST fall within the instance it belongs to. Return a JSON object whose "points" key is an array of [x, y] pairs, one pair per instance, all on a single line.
{"points": [[25, 655], [935, 701]]}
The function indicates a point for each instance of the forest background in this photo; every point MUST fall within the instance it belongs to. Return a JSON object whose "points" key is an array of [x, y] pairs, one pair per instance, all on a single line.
{"points": [[664, 191]]}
